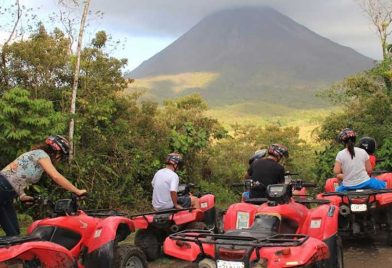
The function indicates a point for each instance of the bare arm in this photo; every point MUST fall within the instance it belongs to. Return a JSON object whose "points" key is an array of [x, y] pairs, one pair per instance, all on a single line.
{"points": [[368, 167], [173, 195], [47, 165], [337, 169]]}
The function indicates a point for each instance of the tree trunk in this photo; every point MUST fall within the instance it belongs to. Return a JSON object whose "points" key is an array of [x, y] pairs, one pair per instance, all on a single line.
{"points": [[75, 80]]}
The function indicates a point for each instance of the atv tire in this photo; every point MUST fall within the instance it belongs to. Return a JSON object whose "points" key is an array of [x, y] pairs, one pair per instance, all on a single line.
{"points": [[207, 263], [130, 256], [338, 260], [196, 225], [149, 243]]}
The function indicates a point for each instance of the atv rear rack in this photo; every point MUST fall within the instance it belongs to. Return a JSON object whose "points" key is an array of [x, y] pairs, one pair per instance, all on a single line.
{"points": [[170, 212], [104, 213], [359, 193], [14, 240]]}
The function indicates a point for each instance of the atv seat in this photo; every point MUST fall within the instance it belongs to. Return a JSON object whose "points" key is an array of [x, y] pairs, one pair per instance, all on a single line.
{"points": [[256, 201], [14, 240], [263, 227]]}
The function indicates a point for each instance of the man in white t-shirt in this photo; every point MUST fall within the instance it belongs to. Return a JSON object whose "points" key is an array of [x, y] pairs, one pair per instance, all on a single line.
{"points": [[165, 186]]}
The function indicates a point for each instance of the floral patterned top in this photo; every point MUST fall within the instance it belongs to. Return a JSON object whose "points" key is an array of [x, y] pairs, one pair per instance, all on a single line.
{"points": [[25, 170]]}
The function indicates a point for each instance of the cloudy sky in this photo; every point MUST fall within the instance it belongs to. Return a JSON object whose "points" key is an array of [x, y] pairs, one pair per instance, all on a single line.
{"points": [[147, 26]]}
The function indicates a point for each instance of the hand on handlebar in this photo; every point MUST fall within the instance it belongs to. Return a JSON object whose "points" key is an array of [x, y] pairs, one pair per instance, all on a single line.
{"points": [[81, 193], [178, 206], [26, 199]]}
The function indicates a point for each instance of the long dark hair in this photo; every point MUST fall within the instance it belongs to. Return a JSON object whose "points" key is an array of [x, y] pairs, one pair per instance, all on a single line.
{"points": [[350, 143], [47, 149]]}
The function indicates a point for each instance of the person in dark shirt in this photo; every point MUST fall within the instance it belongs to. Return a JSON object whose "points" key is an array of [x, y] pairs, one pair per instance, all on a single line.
{"points": [[268, 170]]}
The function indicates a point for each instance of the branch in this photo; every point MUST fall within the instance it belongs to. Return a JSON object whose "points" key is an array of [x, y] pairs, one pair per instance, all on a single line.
{"points": [[18, 16]]}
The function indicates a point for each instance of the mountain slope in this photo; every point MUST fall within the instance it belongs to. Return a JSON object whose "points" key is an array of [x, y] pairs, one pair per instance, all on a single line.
{"points": [[253, 54]]}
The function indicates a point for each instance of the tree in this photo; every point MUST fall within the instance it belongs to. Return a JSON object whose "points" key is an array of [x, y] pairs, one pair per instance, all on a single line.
{"points": [[76, 78], [12, 16], [25, 121], [380, 13]]}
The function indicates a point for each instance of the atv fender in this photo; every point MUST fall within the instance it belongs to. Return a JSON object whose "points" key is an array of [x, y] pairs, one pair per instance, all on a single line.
{"points": [[387, 177], [312, 252], [384, 199], [32, 226], [239, 215], [321, 222], [331, 184], [207, 202], [48, 253], [188, 251], [109, 230], [186, 216]]}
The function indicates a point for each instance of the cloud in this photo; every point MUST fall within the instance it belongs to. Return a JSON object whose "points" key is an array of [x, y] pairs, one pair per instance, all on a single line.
{"points": [[342, 21]]}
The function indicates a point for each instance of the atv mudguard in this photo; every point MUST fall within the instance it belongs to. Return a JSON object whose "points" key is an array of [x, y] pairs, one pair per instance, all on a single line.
{"points": [[207, 202], [101, 246], [239, 215], [48, 253], [321, 222]]}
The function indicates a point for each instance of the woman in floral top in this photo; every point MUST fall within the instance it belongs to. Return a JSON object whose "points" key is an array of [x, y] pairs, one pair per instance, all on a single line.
{"points": [[26, 170]]}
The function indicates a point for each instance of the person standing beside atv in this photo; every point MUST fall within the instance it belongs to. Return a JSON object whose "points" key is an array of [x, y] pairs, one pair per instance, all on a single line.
{"points": [[352, 165], [267, 170], [165, 186], [27, 169]]}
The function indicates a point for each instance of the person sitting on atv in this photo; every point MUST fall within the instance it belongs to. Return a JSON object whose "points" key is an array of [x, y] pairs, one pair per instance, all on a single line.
{"points": [[256, 156], [27, 169], [369, 145], [165, 187], [267, 170], [352, 165]]}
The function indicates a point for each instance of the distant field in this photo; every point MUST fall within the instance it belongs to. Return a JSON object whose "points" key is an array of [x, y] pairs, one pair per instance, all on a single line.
{"points": [[254, 112], [261, 114]]}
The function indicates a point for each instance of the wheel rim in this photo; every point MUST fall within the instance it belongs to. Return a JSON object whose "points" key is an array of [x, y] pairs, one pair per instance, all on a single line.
{"points": [[134, 262]]}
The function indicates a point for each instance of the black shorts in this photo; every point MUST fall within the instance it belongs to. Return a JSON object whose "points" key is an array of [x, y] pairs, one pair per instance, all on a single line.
{"points": [[184, 201]]}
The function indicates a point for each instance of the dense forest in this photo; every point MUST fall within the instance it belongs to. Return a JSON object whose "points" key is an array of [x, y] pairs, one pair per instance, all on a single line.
{"points": [[120, 140]]}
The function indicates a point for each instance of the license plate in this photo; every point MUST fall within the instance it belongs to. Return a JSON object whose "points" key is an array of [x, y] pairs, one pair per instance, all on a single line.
{"points": [[358, 207], [229, 264]]}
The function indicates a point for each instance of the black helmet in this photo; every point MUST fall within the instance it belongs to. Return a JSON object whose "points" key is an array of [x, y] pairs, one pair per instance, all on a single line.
{"points": [[174, 159], [257, 155], [368, 144], [278, 151], [58, 143], [346, 134]]}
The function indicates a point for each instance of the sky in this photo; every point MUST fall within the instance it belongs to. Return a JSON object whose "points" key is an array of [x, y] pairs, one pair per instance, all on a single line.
{"points": [[145, 27]]}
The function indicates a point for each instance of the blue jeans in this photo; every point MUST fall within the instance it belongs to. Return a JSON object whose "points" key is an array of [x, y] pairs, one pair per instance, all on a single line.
{"points": [[8, 219], [372, 183]]}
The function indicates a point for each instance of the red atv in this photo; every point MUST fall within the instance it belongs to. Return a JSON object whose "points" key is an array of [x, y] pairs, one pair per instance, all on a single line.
{"points": [[89, 238], [364, 211], [155, 226], [29, 251], [278, 233]]}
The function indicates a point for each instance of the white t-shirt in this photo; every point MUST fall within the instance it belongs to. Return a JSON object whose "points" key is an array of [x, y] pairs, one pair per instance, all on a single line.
{"points": [[164, 182], [354, 170]]}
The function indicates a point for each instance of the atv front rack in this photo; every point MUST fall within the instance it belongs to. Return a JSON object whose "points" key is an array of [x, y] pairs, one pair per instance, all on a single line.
{"points": [[14, 240], [170, 212]]}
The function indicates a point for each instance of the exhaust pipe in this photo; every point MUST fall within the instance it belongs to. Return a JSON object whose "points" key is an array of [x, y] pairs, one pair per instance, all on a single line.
{"points": [[174, 228], [344, 210]]}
